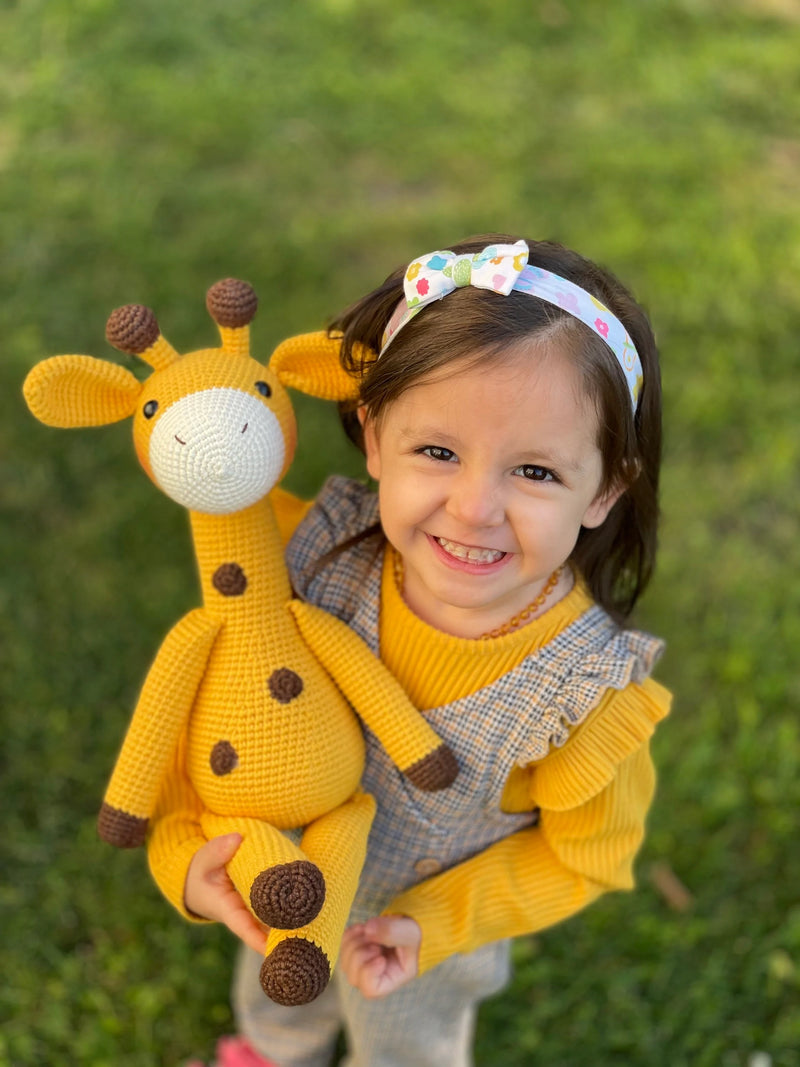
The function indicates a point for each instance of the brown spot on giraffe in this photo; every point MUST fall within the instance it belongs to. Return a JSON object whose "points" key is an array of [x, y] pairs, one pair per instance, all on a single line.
{"points": [[229, 579], [224, 758], [285, 685]]}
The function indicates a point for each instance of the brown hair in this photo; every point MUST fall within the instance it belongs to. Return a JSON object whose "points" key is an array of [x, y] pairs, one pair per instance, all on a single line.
{"points": [[617, 558]]}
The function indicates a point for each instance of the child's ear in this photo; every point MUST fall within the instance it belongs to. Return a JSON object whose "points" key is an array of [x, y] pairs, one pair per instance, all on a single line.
{"points": [[371, 449], [597, 512]]}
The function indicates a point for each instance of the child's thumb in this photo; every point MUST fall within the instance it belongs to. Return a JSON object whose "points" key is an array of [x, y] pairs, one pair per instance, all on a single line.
{"points": [[393, 931], [222, 849]]}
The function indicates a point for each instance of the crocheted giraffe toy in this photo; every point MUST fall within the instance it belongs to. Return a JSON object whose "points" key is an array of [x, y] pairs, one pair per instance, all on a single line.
{"points": [[249, 685]]}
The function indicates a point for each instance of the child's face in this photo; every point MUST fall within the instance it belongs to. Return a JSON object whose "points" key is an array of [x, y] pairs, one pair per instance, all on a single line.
{"points": [[486, 476]]}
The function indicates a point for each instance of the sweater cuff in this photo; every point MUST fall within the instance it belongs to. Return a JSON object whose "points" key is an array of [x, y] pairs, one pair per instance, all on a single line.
{"points": [[169, 867], [515, 887]]}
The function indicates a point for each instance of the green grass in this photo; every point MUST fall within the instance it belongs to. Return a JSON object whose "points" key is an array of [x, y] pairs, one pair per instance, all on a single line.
{"points": [[148, 149]]}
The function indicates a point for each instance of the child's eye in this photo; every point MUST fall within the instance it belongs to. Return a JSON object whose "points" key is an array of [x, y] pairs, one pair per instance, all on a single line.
{"points": [[535, 473], [436, 452]]}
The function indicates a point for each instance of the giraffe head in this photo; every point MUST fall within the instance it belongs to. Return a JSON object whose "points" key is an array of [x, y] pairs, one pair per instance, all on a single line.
{"points": [[214, 429]]}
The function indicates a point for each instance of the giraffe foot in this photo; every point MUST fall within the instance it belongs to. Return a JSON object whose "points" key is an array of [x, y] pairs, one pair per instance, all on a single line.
{"points": [[295, 972], [288, 895], [437, 770]]}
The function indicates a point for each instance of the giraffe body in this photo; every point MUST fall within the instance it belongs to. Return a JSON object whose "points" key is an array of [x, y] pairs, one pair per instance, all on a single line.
{"points": [[254, 688], [259, 655]]}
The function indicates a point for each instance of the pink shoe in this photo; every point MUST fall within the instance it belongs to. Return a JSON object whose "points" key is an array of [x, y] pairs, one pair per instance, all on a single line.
{"points": [[235, 1052]]}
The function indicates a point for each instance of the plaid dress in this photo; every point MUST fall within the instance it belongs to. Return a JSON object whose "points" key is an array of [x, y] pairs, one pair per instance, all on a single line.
{"points": [[513, 721]]}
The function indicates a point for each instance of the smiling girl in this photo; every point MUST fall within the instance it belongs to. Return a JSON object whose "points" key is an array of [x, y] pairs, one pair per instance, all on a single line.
{"points": [[510, 413]]}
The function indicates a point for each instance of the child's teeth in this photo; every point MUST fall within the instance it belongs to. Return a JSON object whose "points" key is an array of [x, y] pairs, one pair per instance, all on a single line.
{"points": [[474, 555]]}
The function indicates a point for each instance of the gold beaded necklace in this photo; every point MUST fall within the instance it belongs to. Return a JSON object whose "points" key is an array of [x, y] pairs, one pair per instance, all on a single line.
{"points": [[515, 620], [525, 614]]}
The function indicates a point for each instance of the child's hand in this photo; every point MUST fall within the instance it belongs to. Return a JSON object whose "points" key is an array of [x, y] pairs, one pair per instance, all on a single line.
{"points": [[381, 955], [210, 893]]}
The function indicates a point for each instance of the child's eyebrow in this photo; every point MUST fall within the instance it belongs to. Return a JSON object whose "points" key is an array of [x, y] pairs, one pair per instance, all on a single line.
{"points": [[427, 432], [559, 462]]}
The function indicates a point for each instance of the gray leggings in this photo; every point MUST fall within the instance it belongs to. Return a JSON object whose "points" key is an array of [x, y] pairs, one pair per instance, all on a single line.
{"points": [[428, 1023]]}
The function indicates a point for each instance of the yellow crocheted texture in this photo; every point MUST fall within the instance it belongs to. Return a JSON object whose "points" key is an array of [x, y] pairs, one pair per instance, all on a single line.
{"points": [[238, 713]]}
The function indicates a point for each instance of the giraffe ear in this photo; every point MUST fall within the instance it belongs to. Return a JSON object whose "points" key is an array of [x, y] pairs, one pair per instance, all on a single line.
{"points": [[310, 364], [71, 391]]}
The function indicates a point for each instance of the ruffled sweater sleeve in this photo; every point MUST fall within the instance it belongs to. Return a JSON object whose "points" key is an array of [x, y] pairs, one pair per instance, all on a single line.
{"points": [[593, 795], [175, 834]]}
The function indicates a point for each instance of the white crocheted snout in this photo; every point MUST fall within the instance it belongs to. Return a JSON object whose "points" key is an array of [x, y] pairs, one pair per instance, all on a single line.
{"points": [[217, 451]]}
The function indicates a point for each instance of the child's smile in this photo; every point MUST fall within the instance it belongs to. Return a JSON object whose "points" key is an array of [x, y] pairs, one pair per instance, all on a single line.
{"points": [[486, 477], [469, 558]]}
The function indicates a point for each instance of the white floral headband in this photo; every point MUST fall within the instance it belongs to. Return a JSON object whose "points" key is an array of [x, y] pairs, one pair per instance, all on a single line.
{"points": [[503, 268]]}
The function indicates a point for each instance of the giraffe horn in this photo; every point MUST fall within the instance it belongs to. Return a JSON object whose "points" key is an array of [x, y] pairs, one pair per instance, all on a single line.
{"points": [[134, 328], [232, 304]]}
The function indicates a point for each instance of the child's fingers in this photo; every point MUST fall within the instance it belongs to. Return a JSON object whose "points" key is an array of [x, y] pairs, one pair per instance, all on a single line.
{"points": [[210, 894], [208, 891], [382, 975], [394, 931], [241, 923], [354, 952], [218, 851], [353, 935], [381, 955]]}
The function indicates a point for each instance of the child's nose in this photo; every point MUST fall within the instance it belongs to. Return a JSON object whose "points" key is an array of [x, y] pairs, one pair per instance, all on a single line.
{"points": [[475, 500]]}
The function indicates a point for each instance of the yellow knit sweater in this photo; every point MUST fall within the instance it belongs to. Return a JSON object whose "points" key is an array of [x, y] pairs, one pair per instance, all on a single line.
{"points": [[593, 793]]}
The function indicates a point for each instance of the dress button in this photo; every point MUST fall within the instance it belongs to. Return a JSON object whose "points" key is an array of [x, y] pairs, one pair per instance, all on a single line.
{"points": [[427, 867]]}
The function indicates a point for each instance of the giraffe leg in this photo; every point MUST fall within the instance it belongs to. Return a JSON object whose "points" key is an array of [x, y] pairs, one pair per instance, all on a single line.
{"points": [[283, 887], [298, 965]]}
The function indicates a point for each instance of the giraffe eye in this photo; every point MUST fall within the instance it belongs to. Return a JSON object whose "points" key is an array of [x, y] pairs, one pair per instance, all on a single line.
{"points": [[150, 408], [263, 388]]}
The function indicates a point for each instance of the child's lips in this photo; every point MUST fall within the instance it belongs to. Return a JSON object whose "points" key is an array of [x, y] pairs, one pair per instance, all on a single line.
{"points": [[472, 559]]}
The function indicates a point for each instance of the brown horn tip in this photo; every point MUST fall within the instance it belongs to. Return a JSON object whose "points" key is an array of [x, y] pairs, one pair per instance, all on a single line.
{"points": [[132, 328], [232, 303]]}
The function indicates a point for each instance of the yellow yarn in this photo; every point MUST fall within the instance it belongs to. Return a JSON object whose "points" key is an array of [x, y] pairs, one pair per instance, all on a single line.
{"points": [[238, 714]]}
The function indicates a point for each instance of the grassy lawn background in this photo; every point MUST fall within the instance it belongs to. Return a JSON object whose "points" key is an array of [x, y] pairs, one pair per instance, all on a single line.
{"points": [[148, 149]]}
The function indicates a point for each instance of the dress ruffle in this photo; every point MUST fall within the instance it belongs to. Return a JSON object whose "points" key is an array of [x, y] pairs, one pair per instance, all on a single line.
{"points": [[579, 770]]}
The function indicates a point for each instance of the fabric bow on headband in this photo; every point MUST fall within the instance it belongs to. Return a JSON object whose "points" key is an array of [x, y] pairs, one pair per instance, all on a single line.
{"points": [[503, 268]]}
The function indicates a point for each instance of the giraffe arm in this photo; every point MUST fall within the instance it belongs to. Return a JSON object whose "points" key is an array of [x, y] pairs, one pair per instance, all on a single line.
{"points": [[411, 743], [161, 713], [175, 833]]}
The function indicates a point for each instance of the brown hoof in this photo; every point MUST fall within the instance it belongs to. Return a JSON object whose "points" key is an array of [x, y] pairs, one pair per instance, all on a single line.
{"points": [[288, 896], [437, 770], [295, 972], [118, 828]]}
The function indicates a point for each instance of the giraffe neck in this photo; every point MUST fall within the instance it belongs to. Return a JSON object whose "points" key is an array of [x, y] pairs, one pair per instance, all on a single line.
{"points": [[240, 557]]}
